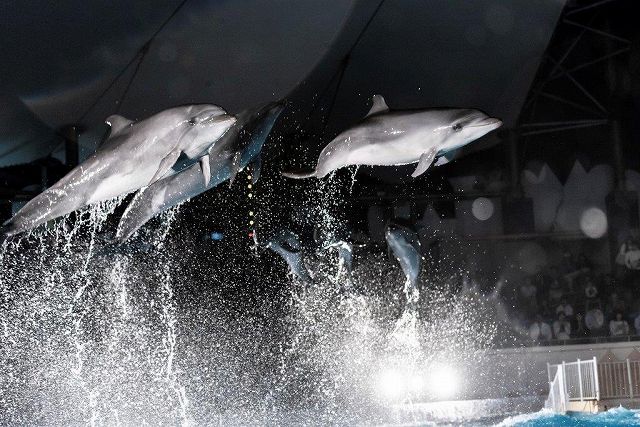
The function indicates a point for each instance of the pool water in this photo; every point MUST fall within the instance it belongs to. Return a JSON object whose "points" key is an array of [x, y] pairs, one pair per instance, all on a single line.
{"points": [[506, 412], [614, 417]]}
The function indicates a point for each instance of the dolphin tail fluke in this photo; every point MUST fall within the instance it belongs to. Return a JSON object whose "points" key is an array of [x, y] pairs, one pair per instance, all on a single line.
{"points": [[299, 175]]}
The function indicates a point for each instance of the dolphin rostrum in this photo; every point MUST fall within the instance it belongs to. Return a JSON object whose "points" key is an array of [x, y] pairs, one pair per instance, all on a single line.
{"points": [[239, 147], [135, 155], [405, 245], [391, 138]]}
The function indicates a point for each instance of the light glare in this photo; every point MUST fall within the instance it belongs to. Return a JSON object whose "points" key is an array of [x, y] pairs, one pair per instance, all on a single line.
{"points": [[391, 384], [443, 381]]}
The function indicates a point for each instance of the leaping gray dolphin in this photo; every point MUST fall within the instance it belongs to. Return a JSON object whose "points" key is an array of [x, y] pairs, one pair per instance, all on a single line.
{"points": [[391, 138], [135, 155], [239, 147], [345, 254], [405, 245], [287, 244]]}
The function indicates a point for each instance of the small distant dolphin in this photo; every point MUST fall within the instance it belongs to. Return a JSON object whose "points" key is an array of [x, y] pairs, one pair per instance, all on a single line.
{"points": [[405, 245], [238, 148], [287, 244], [345, 254], [391, 138], [135, 155], [331, 240]]}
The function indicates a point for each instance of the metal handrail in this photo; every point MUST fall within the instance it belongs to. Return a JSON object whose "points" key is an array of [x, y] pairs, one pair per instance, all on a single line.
{"points": [[573, 381], [620, 379]]}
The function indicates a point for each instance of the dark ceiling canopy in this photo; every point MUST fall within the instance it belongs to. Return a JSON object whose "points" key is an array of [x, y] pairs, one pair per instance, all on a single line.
{"points": [[481, 54]]}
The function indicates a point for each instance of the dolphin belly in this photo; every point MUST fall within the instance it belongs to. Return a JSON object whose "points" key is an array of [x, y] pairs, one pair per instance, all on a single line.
{"points": [[371, 147], [70, 193], [409, 261], [393, 152], [166, 193], [404, 244]]}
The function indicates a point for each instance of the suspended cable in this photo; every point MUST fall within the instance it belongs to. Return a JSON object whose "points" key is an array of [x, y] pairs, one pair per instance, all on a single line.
{"points": [[342, 68], [133, 76], [140, 54]]}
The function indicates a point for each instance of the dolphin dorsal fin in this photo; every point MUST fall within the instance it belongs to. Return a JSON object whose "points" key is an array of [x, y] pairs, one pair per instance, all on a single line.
{"points": [[117, 123], [379, 105]]}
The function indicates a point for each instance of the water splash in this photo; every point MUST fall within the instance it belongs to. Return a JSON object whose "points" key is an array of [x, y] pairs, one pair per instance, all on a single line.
{"points": [[88, 331], [353, 178]]}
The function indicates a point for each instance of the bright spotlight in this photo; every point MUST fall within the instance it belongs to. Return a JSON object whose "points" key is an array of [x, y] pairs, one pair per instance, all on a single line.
{"points": [[415, 384], [442, 381], [391, 384]]}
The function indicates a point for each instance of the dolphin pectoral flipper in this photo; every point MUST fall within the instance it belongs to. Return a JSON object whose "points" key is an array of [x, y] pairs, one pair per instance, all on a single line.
{"points": [[235, 167], [446, 158], [425, 161], [165, 165], [206, 169]]}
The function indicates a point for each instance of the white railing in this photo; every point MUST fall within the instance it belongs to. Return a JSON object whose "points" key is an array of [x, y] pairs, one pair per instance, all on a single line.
{"points": [[572, 382], [557, 399], [619, 379]]}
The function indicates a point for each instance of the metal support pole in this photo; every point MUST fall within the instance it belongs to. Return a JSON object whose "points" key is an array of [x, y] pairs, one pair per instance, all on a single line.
{"points": [[512, 159], [580, 380], [613, 80], [44, 177], [629, 378], [564, 383], [563, 387], [71, 150], [618, 156], [595, 375]]}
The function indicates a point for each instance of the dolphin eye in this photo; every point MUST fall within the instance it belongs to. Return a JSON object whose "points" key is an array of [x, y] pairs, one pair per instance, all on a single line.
{"points": [[457, 127], [192, 122]]}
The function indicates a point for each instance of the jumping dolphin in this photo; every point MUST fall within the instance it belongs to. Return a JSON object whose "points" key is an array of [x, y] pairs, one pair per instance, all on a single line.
{"points": [[135, 155], [337, 240], [345, 254], [405, 245], [287, 244], [239, 147], [391, 138]]}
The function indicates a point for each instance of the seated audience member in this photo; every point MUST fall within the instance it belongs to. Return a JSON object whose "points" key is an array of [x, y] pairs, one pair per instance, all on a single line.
{"points": [[618, 326], [590, 290], [579, 330], [567, 264], [565, 308], [527, 297], [528, 289], [555, 289], [615, 304], [562, 328], [594, 321], [539, 330], [629, 255], [636, 324]]}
